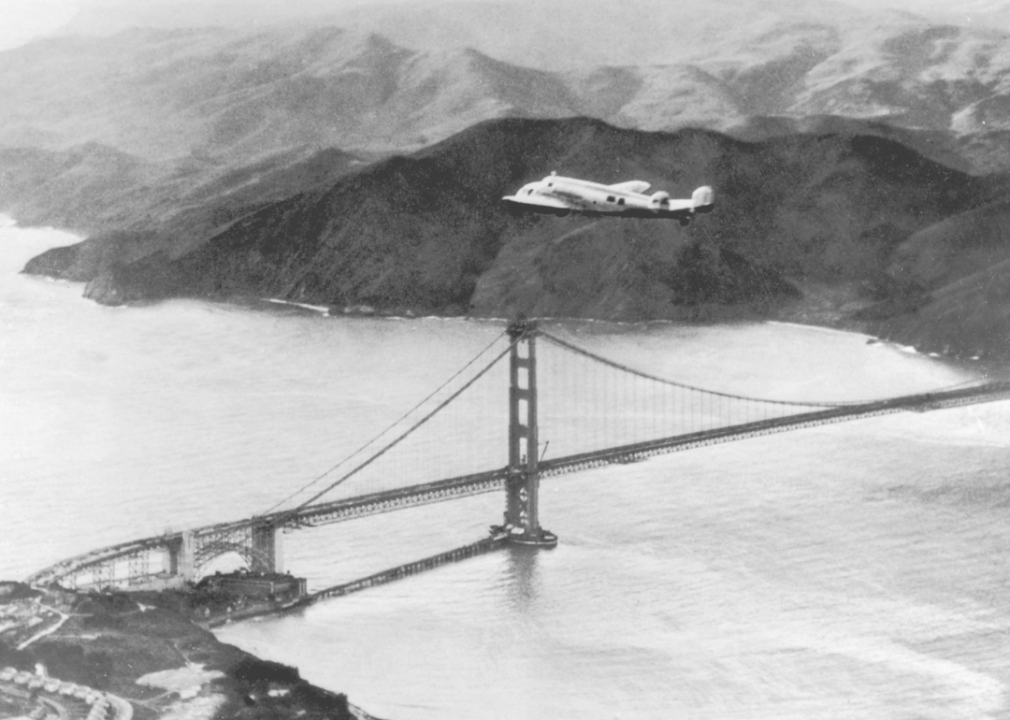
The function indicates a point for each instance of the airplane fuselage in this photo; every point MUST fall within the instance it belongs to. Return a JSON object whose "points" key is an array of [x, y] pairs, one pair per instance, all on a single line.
{"points": [[560, 195]]}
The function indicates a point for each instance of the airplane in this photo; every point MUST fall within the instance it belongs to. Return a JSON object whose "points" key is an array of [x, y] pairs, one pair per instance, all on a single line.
{"points": [[556, 195]]}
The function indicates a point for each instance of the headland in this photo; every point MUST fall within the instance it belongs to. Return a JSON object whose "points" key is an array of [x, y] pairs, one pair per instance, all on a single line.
{"points": [[114, 656]]}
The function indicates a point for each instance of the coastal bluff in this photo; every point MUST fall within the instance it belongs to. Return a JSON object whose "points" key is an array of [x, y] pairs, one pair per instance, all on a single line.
{"points": [[119, 655], [837, 228]]}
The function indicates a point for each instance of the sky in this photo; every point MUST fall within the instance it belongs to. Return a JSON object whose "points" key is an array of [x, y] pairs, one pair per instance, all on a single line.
{"points": [[24, 20]]}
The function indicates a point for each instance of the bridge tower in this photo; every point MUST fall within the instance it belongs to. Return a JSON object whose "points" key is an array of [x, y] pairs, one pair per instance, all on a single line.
{"points": [[522, 489]]}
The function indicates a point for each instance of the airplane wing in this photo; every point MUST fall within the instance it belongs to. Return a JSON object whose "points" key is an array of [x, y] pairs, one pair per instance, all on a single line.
{"points": [[637, 186], [536, 203]]}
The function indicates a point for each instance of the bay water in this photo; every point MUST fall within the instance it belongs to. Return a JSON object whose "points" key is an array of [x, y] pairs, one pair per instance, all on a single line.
{"points": [[856, 570]]}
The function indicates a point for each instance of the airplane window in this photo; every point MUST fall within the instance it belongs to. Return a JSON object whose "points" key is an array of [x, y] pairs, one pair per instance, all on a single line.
{"points": [[610, 198], [621, 201]]}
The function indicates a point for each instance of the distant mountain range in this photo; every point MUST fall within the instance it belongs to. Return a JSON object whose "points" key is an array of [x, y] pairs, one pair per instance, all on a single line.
{"points": [[400, 76], [860, 162]]}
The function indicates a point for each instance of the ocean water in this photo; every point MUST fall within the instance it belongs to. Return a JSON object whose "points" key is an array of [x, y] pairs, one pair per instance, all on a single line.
{"points": [[846, 571]]}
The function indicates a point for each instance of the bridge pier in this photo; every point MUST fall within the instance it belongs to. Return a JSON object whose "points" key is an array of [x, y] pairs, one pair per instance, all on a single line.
{"points": [[522, 487], [182, 557], [266, 545]]}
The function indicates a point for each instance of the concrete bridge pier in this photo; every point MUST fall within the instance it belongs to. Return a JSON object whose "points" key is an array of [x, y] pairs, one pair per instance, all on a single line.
{"points": [[182, 558], [522, 488], [266, 549]]}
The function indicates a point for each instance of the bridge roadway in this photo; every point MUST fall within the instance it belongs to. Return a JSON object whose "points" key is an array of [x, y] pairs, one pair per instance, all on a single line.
{"points": [[452, 488], [442, 490]]}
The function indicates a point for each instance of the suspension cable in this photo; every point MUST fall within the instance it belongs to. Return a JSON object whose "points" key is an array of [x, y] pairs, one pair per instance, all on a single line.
{"points": [[796, 403], [390, 427], [391, 445]]}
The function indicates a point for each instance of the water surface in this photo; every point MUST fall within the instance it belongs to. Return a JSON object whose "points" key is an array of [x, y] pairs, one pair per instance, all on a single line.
{"points": [[846, 571]]}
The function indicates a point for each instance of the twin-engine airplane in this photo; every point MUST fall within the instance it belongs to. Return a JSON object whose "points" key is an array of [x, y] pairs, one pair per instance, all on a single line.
{"points": [[560, 196]]}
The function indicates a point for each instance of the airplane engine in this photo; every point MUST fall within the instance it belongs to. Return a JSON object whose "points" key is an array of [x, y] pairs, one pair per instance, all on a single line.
{"points": [[703, 199], [658, 198]]}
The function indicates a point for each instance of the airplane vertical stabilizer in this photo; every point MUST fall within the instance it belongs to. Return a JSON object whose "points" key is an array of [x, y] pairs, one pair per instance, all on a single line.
{"points": [[703, 199]]}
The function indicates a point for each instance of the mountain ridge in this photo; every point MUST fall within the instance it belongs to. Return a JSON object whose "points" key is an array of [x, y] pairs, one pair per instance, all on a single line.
{"points": [[851, 150], [235, 95], [814, 228]]}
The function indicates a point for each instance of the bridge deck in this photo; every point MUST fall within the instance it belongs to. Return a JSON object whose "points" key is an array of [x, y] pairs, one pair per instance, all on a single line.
{"points": [[453, 488]]}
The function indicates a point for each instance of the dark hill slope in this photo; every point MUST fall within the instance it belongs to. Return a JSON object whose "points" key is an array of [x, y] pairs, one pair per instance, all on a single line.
{"points": [[92, 188], [953, 282], [428, 232], [954, 248], [134, 207], [969, 317]]}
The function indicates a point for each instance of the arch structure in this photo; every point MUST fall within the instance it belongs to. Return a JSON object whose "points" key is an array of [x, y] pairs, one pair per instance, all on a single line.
{"points": [[250, 542], [166, 561], [175, 559]]}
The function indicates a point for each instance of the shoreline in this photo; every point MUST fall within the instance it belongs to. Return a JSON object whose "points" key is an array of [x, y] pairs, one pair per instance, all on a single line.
{"points": [[150, 657], [129, 626], [810, 310], [382, 577]]}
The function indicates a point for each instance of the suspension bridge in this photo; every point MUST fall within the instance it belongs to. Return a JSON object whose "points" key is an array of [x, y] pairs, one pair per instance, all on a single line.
{"points": [[489, 428]]}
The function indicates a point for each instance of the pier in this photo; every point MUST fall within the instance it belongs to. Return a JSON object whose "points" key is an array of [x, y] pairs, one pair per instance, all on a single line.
{"points": [[472, 436]]}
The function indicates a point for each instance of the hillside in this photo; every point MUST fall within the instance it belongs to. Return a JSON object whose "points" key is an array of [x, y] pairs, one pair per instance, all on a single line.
{"points": [[808, 227], [395, 78], [144, 649], [954, 280], [356, 158], [133, 206]]}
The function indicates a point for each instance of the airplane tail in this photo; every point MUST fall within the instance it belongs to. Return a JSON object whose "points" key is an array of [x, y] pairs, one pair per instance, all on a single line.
{"points": [[703, 200]]}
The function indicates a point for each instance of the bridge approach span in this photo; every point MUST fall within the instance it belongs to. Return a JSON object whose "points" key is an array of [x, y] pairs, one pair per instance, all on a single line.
{"points": [[186, 552]]}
